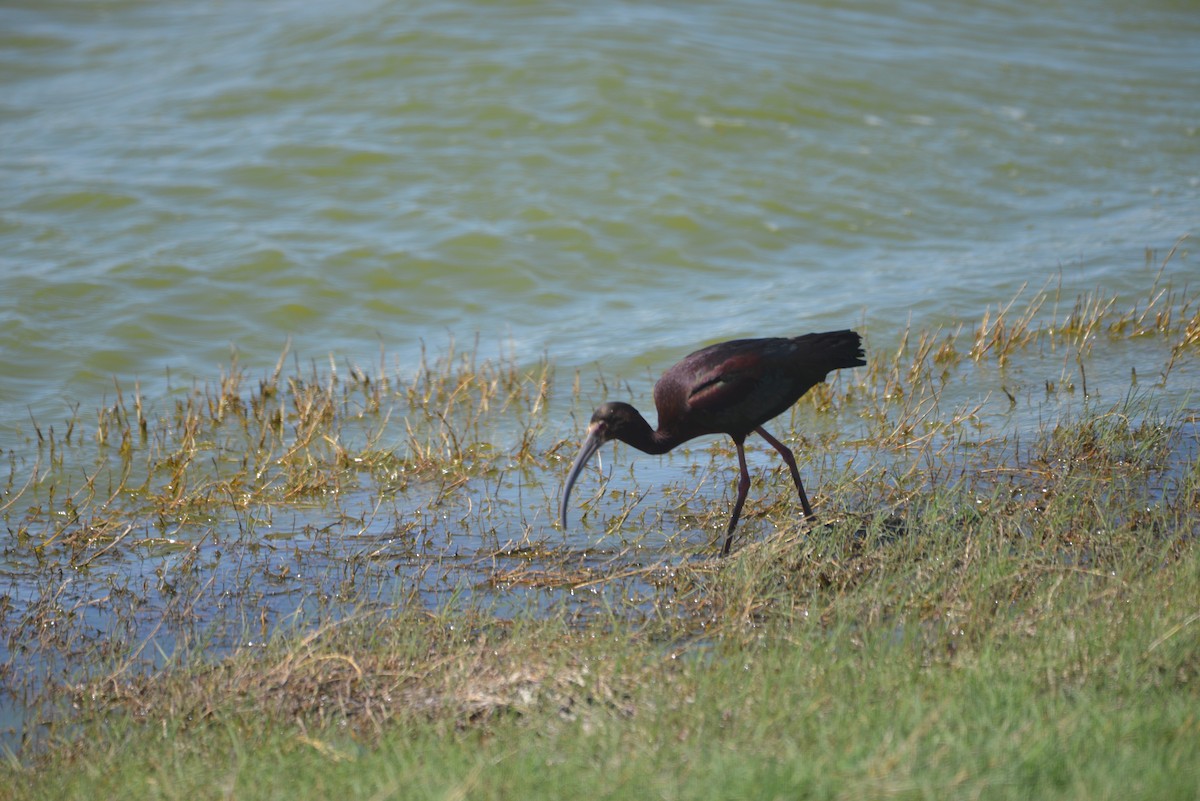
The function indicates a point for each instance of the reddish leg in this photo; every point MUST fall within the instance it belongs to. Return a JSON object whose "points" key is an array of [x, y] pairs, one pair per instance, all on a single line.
{"points": [[786, 453], [743, 488]]}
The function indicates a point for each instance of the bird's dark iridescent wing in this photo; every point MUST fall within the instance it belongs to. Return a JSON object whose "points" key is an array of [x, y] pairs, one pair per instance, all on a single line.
{"points": [[724, 386]]}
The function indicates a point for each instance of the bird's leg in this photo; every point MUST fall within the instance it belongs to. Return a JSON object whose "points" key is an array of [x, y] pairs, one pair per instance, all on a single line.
{"points": [[743, 488], [786, 453]]}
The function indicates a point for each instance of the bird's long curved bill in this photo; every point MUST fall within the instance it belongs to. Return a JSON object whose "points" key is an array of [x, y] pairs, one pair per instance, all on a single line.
{"points": [[595, 438]]}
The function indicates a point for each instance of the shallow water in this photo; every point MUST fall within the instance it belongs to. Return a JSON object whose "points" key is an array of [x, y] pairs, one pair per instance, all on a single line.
{"points": [[610, 185]]}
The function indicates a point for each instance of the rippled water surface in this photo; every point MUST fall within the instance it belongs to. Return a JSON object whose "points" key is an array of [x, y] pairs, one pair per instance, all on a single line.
{"points": [[596, 181]]}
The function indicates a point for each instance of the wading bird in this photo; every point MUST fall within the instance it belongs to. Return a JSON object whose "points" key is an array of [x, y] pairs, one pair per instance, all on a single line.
{"points": [[730, 388]]}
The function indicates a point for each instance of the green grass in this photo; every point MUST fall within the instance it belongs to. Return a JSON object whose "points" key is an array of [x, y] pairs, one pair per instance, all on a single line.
{"points": [[1083, 688]]}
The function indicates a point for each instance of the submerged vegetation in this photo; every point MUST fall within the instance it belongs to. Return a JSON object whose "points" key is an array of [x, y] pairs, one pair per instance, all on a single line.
{"points": [[342, 580]]}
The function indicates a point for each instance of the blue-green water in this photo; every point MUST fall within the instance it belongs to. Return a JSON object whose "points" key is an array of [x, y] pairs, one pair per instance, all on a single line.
{"points": [[613, 182], [597, 182]]}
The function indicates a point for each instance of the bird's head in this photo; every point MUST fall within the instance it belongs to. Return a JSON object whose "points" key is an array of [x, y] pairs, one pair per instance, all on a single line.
{"points": [[613, 418], [609, 421]]}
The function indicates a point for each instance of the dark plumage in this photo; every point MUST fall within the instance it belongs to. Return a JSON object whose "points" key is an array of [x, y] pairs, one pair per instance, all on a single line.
{"points": [[729, 388]]}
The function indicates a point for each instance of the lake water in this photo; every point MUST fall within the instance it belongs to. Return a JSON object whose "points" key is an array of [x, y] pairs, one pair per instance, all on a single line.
{"points": [[607, 184], [596, 181]]}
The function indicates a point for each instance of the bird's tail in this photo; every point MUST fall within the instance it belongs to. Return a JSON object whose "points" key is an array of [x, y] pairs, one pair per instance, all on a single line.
{"points": [[834, 350]]}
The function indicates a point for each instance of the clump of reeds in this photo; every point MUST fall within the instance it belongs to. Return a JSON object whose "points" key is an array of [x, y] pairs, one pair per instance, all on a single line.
{"points": [[232, 444]]}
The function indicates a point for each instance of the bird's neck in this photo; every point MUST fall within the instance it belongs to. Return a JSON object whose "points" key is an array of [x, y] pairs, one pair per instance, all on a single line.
{"points": [[640, 435]]}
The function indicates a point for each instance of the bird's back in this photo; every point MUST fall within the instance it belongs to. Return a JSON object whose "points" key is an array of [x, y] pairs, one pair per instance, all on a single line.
{"points": [[734, 387]]}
